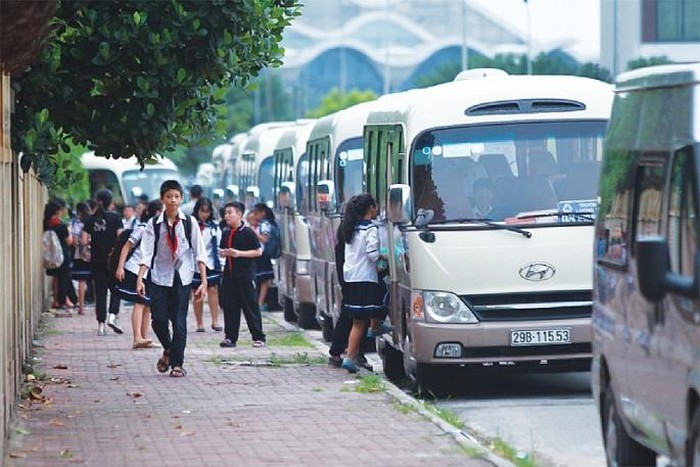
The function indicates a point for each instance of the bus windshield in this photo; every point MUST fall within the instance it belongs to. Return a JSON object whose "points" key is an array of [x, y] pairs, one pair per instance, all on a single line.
{"points": [[539, 172], [145, 183]]}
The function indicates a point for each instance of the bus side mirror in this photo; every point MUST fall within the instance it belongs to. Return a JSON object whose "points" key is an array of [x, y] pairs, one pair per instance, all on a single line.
{"points": [[652, 267], [399, 204], [253, 191], [325, 195]]}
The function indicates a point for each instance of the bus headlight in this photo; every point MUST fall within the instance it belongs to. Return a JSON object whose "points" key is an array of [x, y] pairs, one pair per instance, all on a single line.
{"points": [[303, 267], [444, 307]]}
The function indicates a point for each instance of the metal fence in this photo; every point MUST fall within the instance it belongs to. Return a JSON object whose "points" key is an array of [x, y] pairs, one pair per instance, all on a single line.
{"points": [[23, 284]]}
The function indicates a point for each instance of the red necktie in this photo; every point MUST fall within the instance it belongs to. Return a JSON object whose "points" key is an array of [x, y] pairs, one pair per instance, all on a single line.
{"points": [[172, 236]]}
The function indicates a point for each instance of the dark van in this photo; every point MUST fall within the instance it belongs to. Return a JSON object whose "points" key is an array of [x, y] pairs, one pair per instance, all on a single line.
{"points": [[646, 310]]}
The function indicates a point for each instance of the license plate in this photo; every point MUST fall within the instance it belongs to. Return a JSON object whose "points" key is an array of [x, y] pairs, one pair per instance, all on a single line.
{"points": [[556, 336]]}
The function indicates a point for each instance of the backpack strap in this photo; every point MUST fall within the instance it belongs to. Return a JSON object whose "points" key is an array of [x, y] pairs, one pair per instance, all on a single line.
{"points": [[187, 224]]}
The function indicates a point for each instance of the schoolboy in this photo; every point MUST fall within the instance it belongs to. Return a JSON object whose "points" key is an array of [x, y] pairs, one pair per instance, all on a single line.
{"points": [[239, 247], [171, 255]]}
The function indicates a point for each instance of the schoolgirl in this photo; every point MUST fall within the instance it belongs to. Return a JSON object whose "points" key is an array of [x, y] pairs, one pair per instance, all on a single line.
{"points": [[263, 219], [211, 233], [363, 295], [82, 271], [63, 292], [127, 273]]}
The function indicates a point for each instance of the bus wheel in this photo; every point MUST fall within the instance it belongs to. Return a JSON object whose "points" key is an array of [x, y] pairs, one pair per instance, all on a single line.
{"points": [[306, 318], [432, 381], [289, 314], [620, 448], [392, 361]]}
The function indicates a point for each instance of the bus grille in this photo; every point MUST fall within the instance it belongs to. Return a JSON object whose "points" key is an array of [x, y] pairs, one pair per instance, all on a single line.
{"points": [[529, 306]]}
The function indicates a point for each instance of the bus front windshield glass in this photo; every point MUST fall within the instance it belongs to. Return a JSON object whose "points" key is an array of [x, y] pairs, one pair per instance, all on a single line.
{"points": [[146, 183], [517, 173]]}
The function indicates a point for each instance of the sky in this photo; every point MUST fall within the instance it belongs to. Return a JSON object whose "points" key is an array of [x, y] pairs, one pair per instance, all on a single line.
{"points": [[572, 24]]}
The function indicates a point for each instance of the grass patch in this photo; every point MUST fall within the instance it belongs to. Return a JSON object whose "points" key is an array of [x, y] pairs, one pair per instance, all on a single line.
{"points": [[292, 339], [403, 408], [49, 331], [508, 452], [296, 359], [444, 414], [370, 383], [216, 360], [317, 389], [473, 452]]}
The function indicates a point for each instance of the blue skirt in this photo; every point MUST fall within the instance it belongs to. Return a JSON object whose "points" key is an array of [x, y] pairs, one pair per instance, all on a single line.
{"points": [[126, 290], [213, 279]]}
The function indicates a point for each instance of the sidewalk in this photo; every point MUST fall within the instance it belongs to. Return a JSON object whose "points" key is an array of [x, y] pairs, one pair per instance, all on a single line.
{"points": [[105, 404]]}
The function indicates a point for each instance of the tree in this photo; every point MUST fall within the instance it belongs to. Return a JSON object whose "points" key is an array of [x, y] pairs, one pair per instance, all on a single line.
{"points": [[136, 78], [336, 100]]}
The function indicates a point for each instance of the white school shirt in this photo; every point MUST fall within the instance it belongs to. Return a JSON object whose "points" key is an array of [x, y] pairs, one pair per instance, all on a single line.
{"points": [[211, 230], [132, 264], [362, 254], [163, 272]]}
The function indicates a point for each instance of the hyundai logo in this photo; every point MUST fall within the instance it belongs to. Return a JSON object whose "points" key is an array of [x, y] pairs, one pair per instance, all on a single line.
{"points": [[537, 272]]}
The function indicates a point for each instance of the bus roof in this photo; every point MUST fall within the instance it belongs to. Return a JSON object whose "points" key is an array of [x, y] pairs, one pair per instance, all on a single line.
{"points": [[262, 139], [488, 99], [659, 76], [296, 138], [342, 125], [90, 161]]}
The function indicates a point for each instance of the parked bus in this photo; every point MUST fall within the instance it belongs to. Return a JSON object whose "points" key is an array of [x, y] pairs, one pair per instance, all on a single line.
{"points": [[334, 150], [489, 185], [125, 178], [291, 168]]}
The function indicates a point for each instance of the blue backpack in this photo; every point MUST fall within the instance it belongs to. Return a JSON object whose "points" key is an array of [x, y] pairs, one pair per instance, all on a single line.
{"points": [[273, 247]]}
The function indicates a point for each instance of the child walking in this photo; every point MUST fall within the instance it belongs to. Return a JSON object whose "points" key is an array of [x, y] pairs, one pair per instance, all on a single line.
{"points": [[127, 274], [239, 247], [362, 294], [211, 235], [171, 250]]}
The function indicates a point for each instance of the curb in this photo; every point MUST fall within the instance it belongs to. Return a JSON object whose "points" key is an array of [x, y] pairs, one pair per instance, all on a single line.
{"points": [[461, 437]]}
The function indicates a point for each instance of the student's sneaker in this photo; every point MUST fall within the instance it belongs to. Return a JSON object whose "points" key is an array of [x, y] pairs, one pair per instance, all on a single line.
{"points": [[101, 331], [113, 322], [382, 329], [258, 343], [227, 343], [349, 364]]}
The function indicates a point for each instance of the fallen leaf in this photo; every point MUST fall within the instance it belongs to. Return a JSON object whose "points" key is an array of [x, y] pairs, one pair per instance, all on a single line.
{"points": [[57, 423], [178, 427], [22, 431], [17, 455], [114, 365], [66, 454], [187, 433], [73, 386], [60, 367], [31, 377], [135, 394], [114, 378]]}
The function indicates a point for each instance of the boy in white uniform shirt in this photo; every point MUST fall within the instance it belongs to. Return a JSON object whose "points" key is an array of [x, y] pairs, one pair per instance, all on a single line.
{"points": [[171, 247]]}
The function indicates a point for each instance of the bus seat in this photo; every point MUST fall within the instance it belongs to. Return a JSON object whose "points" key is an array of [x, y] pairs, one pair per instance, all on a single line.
{"points": [[541, 163], [581, 183], [495, 164], [538, 194]]}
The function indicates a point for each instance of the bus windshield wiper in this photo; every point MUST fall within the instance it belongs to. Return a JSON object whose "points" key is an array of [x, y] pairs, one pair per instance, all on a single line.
{"points": [[489, 222]]}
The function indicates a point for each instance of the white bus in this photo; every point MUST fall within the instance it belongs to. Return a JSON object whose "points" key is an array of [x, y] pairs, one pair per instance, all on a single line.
{"points": [[125, 178], [336, 170], [291, 176], [489, 184]]}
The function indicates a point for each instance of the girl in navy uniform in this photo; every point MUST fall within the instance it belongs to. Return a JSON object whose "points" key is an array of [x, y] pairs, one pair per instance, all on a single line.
{"points": [[211, 234], [127, 273]]}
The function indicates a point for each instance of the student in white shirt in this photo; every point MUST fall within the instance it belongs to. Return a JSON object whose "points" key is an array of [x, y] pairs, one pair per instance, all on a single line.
{"points": [[211, 235], [171, 249]]}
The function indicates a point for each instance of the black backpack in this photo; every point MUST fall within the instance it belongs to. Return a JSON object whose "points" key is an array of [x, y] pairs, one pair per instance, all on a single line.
{"points": [[115, 253]]}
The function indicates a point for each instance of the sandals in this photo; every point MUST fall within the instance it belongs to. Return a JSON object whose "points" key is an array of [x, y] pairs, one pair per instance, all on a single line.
{"points": [[217, 328], [178, 372], [163, 362]]}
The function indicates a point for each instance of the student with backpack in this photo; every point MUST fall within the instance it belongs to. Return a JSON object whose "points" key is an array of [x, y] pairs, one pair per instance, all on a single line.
{"points": [[127, 255], [239, 247], [211, 234], [56, 255], [269, 236], [81, 271], [101, 231], [171, 250]]}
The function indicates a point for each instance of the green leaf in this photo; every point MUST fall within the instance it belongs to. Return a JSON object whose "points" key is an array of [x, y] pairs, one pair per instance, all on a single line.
{"points": [[137, 18], [150, 109], [43, 116], [181, 74]]}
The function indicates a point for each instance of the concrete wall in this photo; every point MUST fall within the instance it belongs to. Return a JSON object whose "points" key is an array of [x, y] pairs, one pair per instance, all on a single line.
{"points": [[22, 279]]}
